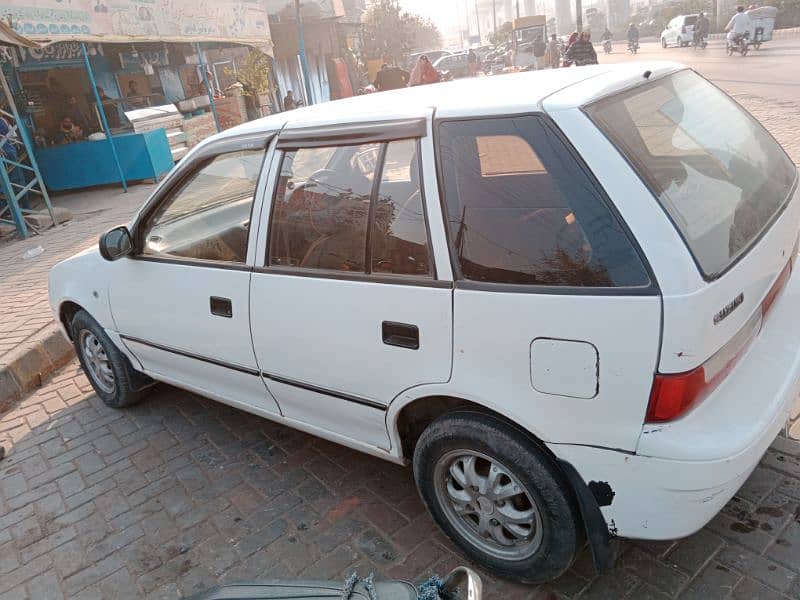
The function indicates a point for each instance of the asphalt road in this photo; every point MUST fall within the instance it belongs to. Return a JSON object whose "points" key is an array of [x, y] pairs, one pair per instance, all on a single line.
{"points": [[772, 73]]}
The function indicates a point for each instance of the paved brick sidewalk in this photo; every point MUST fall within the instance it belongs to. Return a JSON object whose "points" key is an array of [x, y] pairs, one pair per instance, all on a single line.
{"points": [[23, 299], [181, 493]]}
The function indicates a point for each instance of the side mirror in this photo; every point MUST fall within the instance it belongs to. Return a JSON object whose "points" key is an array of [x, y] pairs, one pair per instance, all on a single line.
{"points": [[457, 576], [116, 243]]}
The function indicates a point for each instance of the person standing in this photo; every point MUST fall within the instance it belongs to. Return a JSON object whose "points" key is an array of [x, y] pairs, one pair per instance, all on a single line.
{"points": [[554, 52], [289, 101], [539, 49], [582, 51], [473, 62]]}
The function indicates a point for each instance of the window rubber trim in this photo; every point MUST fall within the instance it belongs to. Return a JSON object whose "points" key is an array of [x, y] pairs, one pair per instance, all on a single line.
{"points": [[460, 282], [430, 281], [708, 278], [387, 279]]}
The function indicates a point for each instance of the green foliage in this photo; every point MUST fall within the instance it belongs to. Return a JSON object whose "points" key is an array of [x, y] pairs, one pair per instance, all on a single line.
{"points": [[788, 12], [254, 73], [390, 33], [502, 35]]}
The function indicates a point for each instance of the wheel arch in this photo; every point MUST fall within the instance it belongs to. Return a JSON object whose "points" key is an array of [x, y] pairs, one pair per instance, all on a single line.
{"points": [[407, 421], [66, 312]]}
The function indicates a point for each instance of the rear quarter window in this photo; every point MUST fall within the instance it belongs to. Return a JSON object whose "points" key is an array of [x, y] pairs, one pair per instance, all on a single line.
{"points": [[521, 209], [716, 171]]}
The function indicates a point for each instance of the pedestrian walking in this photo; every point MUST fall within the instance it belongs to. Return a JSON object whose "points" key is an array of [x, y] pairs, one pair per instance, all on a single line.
{"points": [[553, 53], [289, 102], [424, 73], [539, 50]]}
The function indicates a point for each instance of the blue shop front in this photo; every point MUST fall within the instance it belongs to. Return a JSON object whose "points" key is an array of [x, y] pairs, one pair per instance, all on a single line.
{"points": [[142, 89]]}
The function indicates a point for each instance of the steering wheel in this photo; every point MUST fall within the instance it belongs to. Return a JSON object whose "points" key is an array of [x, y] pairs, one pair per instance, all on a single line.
{"points": [[316, 177]]}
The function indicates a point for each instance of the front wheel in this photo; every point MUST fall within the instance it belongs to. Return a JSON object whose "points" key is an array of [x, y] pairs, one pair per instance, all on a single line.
{"points": [[498, 496], [113, 378]]}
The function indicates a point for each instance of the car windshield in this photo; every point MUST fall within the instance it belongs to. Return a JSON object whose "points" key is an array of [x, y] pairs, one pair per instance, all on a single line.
{"points": [[689, 21], [716, 171]]}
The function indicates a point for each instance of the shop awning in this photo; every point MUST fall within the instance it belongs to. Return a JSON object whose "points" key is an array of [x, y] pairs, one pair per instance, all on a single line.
{"points": [[9, 37]]}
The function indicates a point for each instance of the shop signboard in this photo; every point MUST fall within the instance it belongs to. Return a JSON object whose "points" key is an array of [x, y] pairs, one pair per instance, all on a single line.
{"points": [[141, 20], [311, 9]]}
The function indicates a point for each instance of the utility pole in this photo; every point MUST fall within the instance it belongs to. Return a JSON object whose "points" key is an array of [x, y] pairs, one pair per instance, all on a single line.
{"points": [[578, 16], [478, 21], [301, 43], [494, 16], [518, 9]]}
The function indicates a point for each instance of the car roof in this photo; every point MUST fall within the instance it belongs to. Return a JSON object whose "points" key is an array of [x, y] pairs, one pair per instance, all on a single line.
{"points": [[516, 93]]}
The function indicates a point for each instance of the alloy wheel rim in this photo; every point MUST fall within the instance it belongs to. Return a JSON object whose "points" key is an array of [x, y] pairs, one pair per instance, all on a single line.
{"points": [[97, 363], [488, 505]]}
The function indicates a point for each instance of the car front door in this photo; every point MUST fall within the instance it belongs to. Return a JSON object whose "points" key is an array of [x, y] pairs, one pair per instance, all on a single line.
{"points": [[347, 311], [181, 302]]}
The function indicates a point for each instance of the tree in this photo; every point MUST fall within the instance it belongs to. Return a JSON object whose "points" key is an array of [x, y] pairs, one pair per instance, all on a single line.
{"points": [[425, 35], [390, 33], [502, 35]]}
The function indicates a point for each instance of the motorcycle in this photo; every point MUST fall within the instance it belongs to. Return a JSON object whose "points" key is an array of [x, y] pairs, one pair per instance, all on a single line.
{"points": [[633, 46], [354, 588], [699, 41], [739, 43], [607, 46]]}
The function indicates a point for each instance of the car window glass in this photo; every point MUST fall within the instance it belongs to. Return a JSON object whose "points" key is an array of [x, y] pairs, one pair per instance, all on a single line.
{"points": [[521, 210], [319, 220], [399, 242], [208, 216], [715, 170]]}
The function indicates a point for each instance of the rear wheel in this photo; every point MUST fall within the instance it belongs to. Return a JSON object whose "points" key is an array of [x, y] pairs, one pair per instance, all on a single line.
{"points": [[663, 42], [109, 371], [498, 496]]}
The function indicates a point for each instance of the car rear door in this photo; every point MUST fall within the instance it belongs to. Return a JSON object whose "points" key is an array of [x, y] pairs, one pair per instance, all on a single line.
{"points": [[556, 316], [181, 302], [347, 311]]}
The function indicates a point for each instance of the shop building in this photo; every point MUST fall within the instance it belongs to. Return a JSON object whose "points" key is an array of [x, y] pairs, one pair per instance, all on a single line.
{"points": [[156, 78]]}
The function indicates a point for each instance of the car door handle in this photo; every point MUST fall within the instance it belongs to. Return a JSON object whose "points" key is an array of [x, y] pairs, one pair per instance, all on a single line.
{"points": [[401, 335], [221, 307]]}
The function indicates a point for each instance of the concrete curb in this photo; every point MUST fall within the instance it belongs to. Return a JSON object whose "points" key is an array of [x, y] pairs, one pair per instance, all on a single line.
{"points": [[27, 366]]}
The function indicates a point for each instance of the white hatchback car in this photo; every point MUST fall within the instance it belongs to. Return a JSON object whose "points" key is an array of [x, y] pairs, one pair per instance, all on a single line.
{"points": [[566, 296], [679, 31]]}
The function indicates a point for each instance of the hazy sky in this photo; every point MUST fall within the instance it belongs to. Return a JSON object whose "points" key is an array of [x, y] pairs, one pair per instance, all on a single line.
{"points": [[445, 13]]}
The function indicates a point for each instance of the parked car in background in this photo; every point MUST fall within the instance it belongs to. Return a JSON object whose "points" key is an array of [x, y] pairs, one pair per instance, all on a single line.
{"points": [[453, 66], [567, 297], [679, 31], [433, 56]]}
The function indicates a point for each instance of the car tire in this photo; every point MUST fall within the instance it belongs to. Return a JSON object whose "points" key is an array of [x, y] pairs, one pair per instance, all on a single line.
{"points": [[663, 42], [109, 371], [529, 495]]}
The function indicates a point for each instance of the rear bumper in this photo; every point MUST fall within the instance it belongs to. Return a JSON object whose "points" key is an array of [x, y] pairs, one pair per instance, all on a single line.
{"points": [[684, 472]]}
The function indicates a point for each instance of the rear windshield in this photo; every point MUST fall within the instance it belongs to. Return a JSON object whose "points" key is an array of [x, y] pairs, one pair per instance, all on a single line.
{"points": [[689, 21], [716, 171]]}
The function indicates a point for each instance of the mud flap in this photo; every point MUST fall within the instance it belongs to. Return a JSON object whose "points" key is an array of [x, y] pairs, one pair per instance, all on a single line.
{"points": [[604, 553]]}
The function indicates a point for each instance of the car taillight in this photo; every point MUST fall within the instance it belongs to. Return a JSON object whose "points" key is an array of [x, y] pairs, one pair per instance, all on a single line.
{"points": [[672, 396]]}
